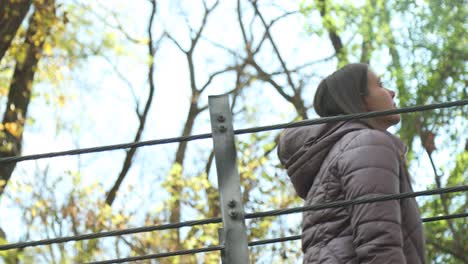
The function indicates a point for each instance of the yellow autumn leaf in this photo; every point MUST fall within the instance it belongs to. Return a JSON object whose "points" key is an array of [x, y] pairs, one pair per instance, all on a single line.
{"points": [[61, 100], [14, 129], [116, 219], [47, 49], [39, 204], [3, 91]]}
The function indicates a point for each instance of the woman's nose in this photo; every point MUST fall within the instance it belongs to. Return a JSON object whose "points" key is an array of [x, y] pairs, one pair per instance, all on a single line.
{"points": [[392, 93]]}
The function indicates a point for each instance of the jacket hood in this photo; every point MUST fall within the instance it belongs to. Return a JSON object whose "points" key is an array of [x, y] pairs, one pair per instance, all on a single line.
{"points": [[302, 150]]}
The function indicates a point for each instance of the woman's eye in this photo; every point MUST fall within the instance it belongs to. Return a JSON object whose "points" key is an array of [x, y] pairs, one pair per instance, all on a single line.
{"points": [[381, 84]]}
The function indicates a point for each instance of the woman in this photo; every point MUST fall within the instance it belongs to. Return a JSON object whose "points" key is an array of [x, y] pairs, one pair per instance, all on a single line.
{"points": [[353, 160]]}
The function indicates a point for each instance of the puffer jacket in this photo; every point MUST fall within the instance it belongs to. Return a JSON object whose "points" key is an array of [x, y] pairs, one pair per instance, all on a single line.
{"points": [[347, 161]]}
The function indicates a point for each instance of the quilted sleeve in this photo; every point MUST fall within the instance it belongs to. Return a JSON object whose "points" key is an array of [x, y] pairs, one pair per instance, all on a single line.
{"points": [[369, 167]]}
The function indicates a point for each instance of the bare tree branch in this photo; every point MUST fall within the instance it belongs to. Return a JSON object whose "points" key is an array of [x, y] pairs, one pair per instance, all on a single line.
{"points": [[264, 76], [176, 43], [242, 27], [138, 249], [305, 65], [294, 99], [110, 197], [273, 44], [124, 79], [270, 25], [118, 25], [193, 44], [193, 112], [218, 45], [215, 74], [185, 17], [208, 10]]}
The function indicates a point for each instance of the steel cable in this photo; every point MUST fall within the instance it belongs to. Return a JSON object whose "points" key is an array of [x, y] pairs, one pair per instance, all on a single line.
{"points": [[337, 204], [251, 244], [161, 255], [247, 216], [237, 132], [110, 233], [297, 237]]}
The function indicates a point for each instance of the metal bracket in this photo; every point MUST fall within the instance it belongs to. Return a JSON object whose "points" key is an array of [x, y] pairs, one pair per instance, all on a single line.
{"points": [[234, 231]]}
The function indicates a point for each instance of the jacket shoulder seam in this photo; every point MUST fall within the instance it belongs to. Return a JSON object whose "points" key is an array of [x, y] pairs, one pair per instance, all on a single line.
{"points": [[376, 167], [372, 132], [370, 145]]}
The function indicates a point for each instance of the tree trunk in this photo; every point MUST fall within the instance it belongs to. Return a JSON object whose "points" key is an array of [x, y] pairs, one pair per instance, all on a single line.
{"points": [[175, 207], [335, 39], [19, 95], [12, 14]]}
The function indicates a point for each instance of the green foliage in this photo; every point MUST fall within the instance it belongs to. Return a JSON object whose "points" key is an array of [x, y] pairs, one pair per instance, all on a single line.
{"points": [[73, 37], [266, 189], [447, 240], [10, 256], [422, 47], [79, 213], [426, 46]]}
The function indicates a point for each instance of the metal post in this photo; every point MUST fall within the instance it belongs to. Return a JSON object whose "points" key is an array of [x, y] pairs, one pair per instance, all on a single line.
{"points": [[234, 231]]}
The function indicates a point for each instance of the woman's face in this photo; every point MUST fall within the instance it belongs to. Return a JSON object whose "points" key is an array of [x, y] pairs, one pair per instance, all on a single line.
{"points": [[379, 98]]}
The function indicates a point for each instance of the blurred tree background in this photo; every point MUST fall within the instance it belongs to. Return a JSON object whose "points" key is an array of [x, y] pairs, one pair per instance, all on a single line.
{"points": [[86, 73]]}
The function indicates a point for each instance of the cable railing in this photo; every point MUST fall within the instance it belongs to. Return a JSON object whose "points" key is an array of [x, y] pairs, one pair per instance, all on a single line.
{"points": [[216, 220], [250, 244], [297, 237], [234, 243], [161, 255], [316, 121]]}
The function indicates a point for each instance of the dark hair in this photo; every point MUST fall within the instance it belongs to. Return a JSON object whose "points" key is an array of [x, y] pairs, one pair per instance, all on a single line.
{"points": [[342, 92]]}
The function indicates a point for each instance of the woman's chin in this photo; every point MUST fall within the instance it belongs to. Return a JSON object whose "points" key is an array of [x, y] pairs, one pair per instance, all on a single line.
{"points": [[394, 119]]}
